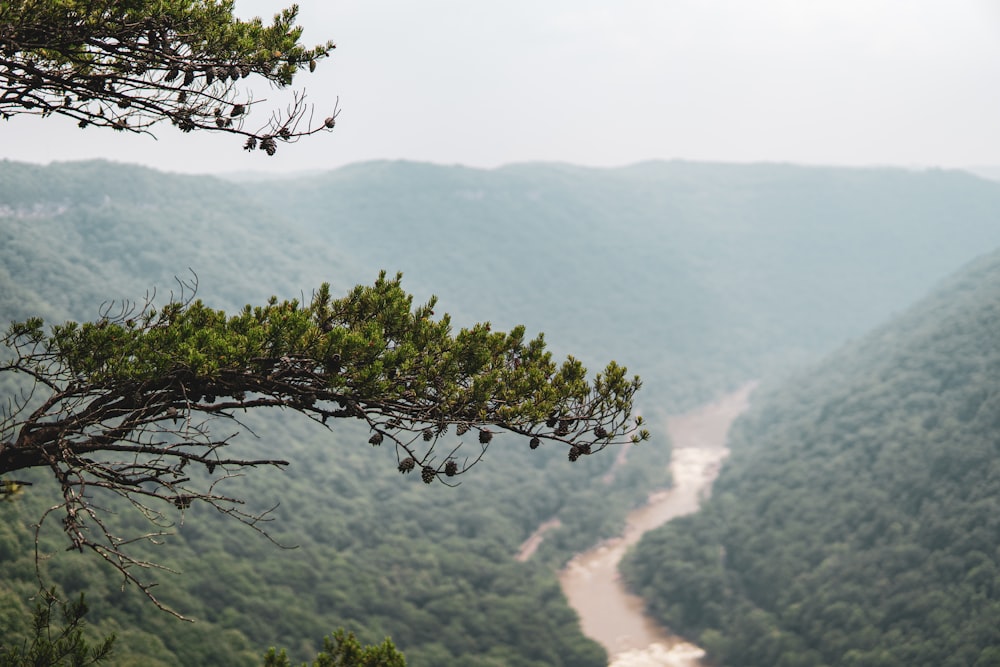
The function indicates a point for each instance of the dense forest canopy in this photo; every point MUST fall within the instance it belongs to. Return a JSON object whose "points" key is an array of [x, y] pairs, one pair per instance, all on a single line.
{"points": [[658, 264], [858, 519]]}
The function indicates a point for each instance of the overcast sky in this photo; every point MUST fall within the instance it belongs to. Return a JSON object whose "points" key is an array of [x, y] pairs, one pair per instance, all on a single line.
{"points": [[613, 82]]}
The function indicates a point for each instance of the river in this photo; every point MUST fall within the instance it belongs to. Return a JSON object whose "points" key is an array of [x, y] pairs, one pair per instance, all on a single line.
{"points": [[611, 615]]}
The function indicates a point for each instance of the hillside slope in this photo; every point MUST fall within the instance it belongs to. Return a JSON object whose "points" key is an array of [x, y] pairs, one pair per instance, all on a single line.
{"points": [[74, 235], [857, 521], [378, 553]]}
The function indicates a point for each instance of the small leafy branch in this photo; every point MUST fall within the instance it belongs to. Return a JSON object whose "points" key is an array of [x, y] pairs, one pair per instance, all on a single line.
{"points": [[51, 645], [128, 65]]}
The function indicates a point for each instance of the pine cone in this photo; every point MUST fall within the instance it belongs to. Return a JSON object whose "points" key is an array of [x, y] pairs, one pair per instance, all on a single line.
{"points": [[574, 453], [600, 432], [428, 435], [461, 429], [427, 474], [485, 436], [534, 443], [451, 468], [375, 440], [407, 464]]}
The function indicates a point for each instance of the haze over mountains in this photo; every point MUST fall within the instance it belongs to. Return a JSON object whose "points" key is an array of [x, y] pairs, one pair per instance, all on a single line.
{"points": [[740, 267], [696, 276]]}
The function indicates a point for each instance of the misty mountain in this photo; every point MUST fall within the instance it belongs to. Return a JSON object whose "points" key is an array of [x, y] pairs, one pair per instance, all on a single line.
{"points": [[702, 275], [696, 276], [857, 521]]}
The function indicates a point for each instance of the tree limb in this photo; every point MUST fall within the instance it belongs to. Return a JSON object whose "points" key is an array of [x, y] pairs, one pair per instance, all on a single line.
{"points": [[128, 66], [126, 403]]}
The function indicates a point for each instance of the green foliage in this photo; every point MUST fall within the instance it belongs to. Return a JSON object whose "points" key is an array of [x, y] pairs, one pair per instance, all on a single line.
{"points": [[206, 29], [371, 345], [344, 650], [52, 646], [130, 65], [858, 520], [371, 353]]}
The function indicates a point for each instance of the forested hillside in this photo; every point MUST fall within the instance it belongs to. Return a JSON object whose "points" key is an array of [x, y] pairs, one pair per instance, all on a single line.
{"points": [[697, 277], [377, 552], [857, 521]]}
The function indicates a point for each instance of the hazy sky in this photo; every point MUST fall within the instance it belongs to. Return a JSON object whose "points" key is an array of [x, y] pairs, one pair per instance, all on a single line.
{"points": [[611, 82]]}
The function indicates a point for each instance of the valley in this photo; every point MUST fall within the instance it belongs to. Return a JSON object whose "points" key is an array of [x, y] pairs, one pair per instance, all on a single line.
{"points": [[699, 277]]}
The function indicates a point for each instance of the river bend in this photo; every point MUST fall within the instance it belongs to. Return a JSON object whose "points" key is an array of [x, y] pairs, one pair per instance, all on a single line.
{"points": [[611, 615]]}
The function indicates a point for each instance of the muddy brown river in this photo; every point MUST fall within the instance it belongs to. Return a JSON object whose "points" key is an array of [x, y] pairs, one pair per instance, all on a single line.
{"points": [[611, 615]]}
